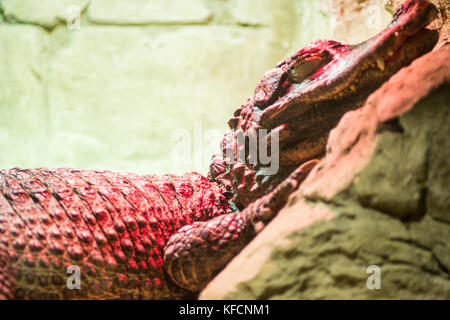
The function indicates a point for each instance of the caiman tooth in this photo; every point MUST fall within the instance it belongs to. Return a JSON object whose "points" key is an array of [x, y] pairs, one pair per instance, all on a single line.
{"points": [[380, 63], [390, 52]]}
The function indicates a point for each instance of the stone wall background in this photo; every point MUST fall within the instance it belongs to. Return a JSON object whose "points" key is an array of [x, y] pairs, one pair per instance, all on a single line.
{"points": [[146, 85]]}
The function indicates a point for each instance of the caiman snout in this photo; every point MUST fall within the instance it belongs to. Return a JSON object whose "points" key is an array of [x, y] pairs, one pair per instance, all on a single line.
{"points": [[302, 99], [423, 12], [405, 38]]}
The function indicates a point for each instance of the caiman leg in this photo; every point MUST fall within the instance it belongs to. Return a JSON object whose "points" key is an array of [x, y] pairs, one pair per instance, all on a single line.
{"points": [[197, 252]]}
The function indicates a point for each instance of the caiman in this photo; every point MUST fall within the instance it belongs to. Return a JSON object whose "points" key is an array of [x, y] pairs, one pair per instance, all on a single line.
{"points": [[130, 236]]}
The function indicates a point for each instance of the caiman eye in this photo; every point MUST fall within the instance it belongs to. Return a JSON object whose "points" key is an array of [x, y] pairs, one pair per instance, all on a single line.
{"points": [[305, 66]]}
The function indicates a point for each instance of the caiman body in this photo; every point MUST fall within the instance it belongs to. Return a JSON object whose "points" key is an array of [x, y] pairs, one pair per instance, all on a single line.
{"points": [[144, 236]]}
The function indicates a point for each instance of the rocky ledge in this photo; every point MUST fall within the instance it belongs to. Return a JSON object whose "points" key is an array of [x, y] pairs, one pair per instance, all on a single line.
{"points": [[374, 213]]}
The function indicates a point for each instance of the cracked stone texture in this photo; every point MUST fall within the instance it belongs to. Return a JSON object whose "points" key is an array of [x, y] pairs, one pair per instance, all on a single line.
{"points": [[142, 86], [381, 196], [45, 13]]}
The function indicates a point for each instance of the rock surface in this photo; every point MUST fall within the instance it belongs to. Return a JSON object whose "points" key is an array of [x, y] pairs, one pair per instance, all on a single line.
{"points": [[381, 196]]}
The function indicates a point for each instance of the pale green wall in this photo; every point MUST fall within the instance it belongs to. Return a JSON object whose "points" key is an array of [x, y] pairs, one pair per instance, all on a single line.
{"points": [[115, 93]]}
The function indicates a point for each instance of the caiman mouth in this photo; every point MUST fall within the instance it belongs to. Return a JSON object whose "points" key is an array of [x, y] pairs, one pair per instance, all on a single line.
{"points": [[304, 97], [406, 37]]}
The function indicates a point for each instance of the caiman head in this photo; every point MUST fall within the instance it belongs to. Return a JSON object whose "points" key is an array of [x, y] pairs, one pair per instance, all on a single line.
{"points": [[304, 97]]}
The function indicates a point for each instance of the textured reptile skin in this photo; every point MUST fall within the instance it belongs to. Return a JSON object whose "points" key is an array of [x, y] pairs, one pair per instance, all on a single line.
{"points": [[113, 226], [162, 237], [304, 97]]}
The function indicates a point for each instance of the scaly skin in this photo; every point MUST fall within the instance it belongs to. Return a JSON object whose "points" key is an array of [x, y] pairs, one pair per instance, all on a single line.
{"points": [[156, 237], [306, 95], [113, 226]]}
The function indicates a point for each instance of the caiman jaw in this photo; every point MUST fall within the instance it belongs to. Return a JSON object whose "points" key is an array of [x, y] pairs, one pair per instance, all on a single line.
{"points": [[306, 95], [404, 39], [348, 66]]}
